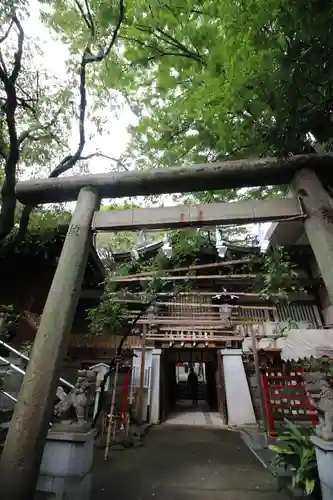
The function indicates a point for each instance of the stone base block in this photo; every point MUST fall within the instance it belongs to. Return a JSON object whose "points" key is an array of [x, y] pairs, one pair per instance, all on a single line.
{"points": [[68, 454], [60, 488], [324, 454]]}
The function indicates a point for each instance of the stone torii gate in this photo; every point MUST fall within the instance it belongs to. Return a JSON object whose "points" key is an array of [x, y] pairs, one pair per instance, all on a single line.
{"points": [[309, 175]]}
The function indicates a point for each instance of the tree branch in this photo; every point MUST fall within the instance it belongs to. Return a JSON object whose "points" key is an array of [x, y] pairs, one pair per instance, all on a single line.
{"points": [[87, 58], [170, 41], [86, 17], [162, 54], [6, 34], [154, 300], [2, 63], [27, 134], [19, 52], [102, 155], [8, 198]]}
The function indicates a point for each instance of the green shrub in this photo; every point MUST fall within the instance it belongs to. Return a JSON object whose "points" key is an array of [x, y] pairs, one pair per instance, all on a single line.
{"points": [[295, 450]]}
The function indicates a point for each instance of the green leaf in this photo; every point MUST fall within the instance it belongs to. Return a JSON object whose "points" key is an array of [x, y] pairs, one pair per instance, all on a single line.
{"points": [[309, 485], [280, 450]]}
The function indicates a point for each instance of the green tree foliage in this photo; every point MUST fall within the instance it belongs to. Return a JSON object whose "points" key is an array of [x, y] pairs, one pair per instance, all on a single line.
{"points": [[279, 276], [121, 241], [212, 80], [112, 313], [208, 81], [46, 232], [37, 108]]}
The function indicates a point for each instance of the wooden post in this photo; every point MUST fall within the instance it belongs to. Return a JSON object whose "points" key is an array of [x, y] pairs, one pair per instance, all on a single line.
{"points": [[142, 374], [111, 420], [23, 450], [2, 322], [258, 375], [318, 225]]}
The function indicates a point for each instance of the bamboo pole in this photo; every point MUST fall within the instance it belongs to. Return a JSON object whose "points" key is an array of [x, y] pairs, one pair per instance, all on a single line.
{"points": [[194, 293], [227, 277], [184, 338], [215, 277], [195, 314], [208, 305], [142, 374], [195, 321], [193, 268], [110, 422], [302, 297]]}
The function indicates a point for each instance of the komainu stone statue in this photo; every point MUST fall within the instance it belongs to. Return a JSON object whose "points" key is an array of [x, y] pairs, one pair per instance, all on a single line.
{"points": [[77, 400], [321, 397]]}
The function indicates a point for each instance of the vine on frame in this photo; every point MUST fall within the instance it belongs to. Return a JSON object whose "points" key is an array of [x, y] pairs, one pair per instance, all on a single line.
{"points": [[278, 276], [111, 314]]}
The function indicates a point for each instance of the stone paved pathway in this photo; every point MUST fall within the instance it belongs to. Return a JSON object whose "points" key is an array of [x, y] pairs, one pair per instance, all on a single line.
{"points": [[184, 463], [200, 415]]}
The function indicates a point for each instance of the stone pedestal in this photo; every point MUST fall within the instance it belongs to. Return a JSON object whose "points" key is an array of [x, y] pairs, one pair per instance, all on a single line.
{"points": [[324, 453], [68, 454], [60, 488]]}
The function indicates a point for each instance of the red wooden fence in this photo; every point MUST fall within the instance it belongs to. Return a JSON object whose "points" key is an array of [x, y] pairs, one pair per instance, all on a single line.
{"points": [[285, 397]]}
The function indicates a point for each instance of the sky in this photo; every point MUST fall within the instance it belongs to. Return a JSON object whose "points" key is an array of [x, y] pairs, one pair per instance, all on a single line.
{"points": [[116, 137], [55, 55]]}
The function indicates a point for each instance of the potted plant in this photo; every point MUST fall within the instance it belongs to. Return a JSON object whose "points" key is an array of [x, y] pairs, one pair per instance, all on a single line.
{"points": [[296, 453]]}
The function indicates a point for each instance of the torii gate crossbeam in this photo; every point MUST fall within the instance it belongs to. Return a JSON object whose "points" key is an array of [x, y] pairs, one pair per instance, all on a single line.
{"points": [[204, 215], [204, 177]]}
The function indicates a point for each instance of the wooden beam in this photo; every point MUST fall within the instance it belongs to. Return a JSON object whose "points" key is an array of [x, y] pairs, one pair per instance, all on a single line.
{"points": [[258, 375], [89, 294], [197, 322], [192, 268], [233, 278], [203, 177], [178, 338], [242, 212], [203, 304], [226, 277], [140, 415]]}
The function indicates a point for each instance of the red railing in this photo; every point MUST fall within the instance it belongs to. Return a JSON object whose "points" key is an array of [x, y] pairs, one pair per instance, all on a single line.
{"points": [[285, 397]]}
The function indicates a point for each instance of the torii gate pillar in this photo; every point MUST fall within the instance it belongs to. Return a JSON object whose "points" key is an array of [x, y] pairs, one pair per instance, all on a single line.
{"points": [[23, 450], [318, 225]]}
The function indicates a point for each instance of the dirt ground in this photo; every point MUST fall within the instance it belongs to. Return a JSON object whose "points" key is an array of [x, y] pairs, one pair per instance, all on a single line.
{"points": [[184, 463]]}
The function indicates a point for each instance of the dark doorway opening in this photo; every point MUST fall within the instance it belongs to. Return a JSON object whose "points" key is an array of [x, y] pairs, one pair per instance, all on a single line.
{"points": [[176, 395]]}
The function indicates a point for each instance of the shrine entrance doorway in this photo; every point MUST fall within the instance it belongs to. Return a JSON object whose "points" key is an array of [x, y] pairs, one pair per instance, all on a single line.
{"points": [[176, 398]]}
